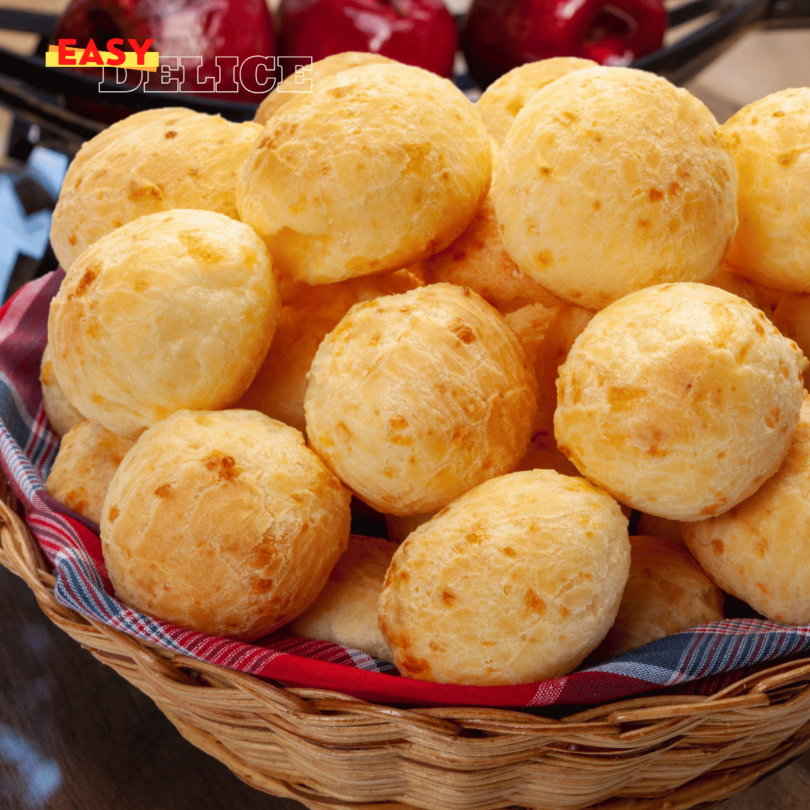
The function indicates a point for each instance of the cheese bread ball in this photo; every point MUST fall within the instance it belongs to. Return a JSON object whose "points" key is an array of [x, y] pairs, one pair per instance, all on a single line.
{"points": [[666, 592], [565, 327], [307, 317], [378, 167], [304, 79], [495, 149], [531, 324], [414, 399], [792, 318], [543, 453], [345, 612], [758, 551], [223, 522], [612, 179], [770, 143], [516, 581], [773, 297], [732, 282], [565, 324], [654, 526], [400, 527], [478, 260], [88, 457], [152, 161], [302, 294], [507, 96], [680, 400], [62, 416], [174, 310]]}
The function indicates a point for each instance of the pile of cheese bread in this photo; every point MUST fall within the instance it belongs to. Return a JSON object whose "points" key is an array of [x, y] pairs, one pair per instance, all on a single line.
{"points": [[507, 327]]}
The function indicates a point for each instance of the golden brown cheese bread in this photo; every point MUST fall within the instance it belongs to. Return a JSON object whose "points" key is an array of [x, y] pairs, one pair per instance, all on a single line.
{"points": [[770, 143], [88, 457], [773, 297], [792, 318], [414, 399], [62, 416], [308, 315], [378, 167], [565, 327], [758, 550], [174, 310], [654, 526], [478, 260], [610, 180], [516, 581], [732, 282], [680, 400], [400, 527], [531, 324], [507, 96], [223, 522], [151, 161], [666, 592], [303, 80], [345, 612], [543, 453]]}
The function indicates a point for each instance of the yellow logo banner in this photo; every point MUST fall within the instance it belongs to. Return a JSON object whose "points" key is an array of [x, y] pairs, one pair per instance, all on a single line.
{"points": [[66, 54]]}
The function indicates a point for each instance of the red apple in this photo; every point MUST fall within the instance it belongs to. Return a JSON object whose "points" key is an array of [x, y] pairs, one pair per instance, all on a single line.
{"points": [[499, 35], [416, 32], [202, 28]]}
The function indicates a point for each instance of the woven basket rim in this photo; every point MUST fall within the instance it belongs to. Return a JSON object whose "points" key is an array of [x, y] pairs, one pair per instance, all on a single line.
{"points": [[190, 693]]}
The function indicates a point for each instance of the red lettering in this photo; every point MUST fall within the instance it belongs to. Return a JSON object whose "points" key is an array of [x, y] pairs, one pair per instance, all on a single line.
{"points": [[120, 56], [141, 49], [64, 57], [91, 55]]}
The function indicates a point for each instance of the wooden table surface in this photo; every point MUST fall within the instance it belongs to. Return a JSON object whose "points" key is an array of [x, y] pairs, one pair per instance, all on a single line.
{"points": [[74, 735]]}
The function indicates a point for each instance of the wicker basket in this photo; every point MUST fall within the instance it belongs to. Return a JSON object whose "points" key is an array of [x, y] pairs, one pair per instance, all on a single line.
{"points": [[328, 750]]}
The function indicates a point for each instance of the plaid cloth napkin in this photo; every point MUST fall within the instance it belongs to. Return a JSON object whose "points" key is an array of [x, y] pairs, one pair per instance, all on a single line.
{"points": [[702, 660]]}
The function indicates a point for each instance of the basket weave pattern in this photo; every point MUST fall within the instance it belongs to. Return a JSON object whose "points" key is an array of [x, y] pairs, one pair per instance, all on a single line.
{"points": [[331, 751]]}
